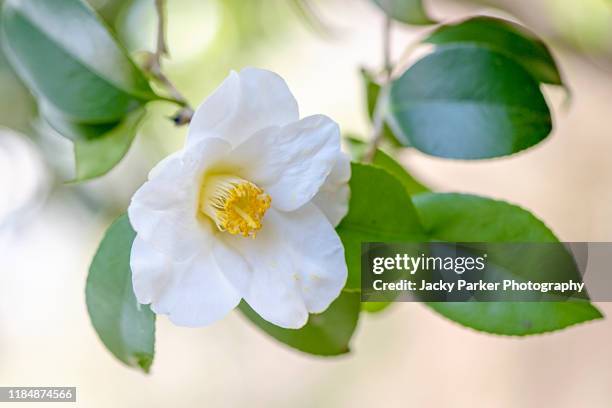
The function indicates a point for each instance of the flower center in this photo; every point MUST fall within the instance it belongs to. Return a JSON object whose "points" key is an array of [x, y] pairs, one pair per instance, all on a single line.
{"points": [[234, 204]]}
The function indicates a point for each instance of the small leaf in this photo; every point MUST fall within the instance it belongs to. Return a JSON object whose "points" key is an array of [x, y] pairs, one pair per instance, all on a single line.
{"points": [[469, 102], [325, 334], [97, 148], [372, 90], [372, 93], [503, 36], [405, 11], [380, 210], [68, 57], [97, 156], [467, 218], [126, 328]]}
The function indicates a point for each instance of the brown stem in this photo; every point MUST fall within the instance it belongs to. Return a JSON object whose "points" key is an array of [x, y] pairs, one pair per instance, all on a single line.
{"points": [[154, 66], [162, 47], [379, 109]]}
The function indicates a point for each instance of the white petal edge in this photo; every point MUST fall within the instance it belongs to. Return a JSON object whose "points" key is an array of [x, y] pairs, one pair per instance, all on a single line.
{"points": [[193, 293], [333, 196], [243, 104], [298, 266], [290, 163]]}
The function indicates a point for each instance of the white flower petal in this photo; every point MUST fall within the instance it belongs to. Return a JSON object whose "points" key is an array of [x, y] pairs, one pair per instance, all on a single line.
{"points": [[151, 271], [318, 255], [297, 263], [333, 196], [290, 163], [233, 265], [243, 104], [192, 293], [163, 210]]}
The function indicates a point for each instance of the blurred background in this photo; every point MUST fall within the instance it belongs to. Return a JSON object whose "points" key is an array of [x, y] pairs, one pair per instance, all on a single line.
{"points": [[405, 356]]}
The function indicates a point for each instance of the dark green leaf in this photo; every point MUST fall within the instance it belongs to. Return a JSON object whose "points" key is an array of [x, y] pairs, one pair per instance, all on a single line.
{"points": [[508, 38], [380, 210], [469, 102], [518, 318], [67, 57], [467, 218], [326, 334], [406, 11], [126, 328]]}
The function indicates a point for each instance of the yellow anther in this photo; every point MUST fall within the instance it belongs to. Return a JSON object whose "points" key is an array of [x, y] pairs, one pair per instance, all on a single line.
{"points": [[234, 204]]}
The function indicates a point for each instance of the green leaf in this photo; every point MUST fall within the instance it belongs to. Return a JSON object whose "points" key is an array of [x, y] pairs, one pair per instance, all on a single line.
{"points": [[96, 157], [380, 210], [405, 11], [372, 90], [454, 217], [98, 148], [412, 186], [518, 318], [386, 162], [126, 328], [468, 218], [469, 102], [503, 36], [325, 334], [68, 58]]}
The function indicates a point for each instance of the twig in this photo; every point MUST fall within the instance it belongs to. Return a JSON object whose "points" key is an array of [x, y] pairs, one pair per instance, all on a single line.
{"points": [[154, 67], [162, 46], [380, 107]]}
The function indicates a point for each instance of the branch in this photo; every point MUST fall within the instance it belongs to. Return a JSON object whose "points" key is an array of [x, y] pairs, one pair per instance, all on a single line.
{"points": [[154, 67], [380, 108], [162, 47]]}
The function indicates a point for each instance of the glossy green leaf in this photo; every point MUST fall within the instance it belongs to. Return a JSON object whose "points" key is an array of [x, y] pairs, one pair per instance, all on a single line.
{"points": [[469, 102], [326, 334], [126, 328], [406, 11], [380, 210], [508, 38], [468, 218], [68, 58]]}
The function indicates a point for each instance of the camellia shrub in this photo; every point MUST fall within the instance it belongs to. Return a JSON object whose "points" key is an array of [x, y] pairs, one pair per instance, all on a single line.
{"points": [[262, 210]]}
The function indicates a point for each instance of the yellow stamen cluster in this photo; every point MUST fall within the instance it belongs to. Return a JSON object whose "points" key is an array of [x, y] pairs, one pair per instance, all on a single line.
{"points": [[234, 204]]}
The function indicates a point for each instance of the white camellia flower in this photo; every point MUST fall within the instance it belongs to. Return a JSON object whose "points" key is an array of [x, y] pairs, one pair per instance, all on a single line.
{"points": [[246, 210]]}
